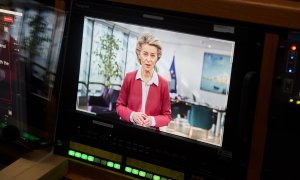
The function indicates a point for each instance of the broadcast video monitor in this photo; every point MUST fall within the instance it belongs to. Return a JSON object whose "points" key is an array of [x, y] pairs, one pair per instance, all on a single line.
{"points": [[204, 63]]}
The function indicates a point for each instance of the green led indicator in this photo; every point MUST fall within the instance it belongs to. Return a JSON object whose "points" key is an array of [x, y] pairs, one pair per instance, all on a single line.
{"points": [[71, 153], [149, 175], [163, 178], [97, 160], [34, 138], [25, 135], [117, 166], [77, 154], [142, 173], [2, 125], [43, 143], [84, 156], [30, 137], [156, 177], [128, 169], [110, 164], [135, 171], [103, 162], [90, 158]]}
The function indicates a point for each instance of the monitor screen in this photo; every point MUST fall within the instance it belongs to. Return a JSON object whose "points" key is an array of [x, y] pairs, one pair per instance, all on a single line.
{"points": [[187, 62], [160, 86]]}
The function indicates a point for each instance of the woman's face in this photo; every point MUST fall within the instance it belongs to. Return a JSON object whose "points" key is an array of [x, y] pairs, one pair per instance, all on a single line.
{"points": [[148, 57]]}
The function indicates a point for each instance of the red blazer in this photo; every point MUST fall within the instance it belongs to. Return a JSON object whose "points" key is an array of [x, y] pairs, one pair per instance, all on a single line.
{"points": [[157, 105]]}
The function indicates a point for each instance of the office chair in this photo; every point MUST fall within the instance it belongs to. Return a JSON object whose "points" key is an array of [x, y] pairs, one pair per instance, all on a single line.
{"points": [[201, 116]]}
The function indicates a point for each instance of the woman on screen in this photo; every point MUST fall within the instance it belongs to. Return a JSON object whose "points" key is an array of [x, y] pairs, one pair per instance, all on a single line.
{"points": [[144, 98]]}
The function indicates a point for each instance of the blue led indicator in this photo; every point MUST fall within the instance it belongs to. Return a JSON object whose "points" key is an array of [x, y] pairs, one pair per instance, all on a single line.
{"points": [[292, 57], [290, 70]]}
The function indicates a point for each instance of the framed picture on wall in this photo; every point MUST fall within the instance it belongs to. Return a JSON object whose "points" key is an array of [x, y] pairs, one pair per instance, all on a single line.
{"points": [[216, 72]]}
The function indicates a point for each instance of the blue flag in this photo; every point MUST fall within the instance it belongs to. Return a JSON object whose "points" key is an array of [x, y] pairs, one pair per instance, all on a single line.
{"points": [[173, 82]]}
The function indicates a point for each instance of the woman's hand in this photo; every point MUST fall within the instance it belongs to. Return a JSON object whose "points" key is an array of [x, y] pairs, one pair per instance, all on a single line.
{"points": [[147, 121], [139, 117]]}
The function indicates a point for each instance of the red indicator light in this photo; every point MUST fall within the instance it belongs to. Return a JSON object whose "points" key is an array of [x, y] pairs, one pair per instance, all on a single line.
{"points": [[293, 48], [8, 19]]}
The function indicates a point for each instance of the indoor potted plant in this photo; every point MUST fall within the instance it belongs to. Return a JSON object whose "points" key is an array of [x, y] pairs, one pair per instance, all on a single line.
{"points": [[106, 52]]}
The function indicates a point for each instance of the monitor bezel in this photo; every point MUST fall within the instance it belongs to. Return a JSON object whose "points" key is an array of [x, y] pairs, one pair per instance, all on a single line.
{"points": [[247, 40]]}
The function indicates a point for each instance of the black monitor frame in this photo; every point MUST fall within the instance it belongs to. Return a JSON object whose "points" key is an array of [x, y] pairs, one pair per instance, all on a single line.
{"points": [[180, 153]]}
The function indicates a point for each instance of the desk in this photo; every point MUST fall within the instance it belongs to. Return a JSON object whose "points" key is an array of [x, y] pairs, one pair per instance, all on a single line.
{"points": [[194, 133], [41, 164], [38, 164], [220, 117], [80, 171], [182, 107]]}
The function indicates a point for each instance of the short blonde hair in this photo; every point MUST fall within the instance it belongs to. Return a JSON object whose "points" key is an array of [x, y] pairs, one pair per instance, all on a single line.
{"points": [[149, 39]]}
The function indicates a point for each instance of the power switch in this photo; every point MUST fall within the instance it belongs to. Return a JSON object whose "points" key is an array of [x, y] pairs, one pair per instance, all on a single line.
{"points": [[288, 85]]}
